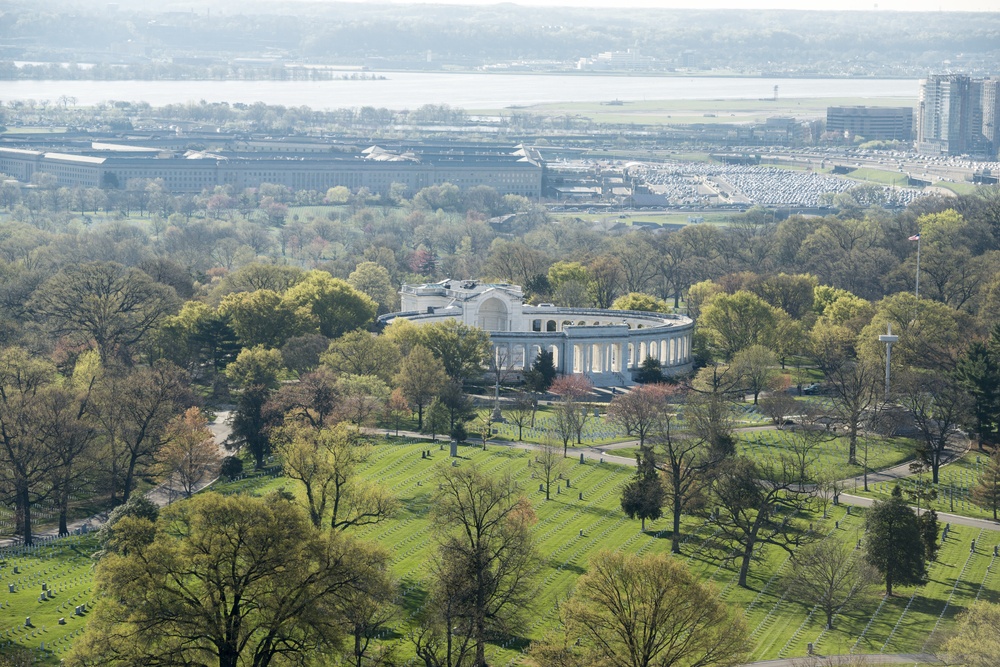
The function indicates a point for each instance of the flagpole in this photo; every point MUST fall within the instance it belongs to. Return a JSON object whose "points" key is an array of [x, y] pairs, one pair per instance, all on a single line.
{"points": [[918, 268]]}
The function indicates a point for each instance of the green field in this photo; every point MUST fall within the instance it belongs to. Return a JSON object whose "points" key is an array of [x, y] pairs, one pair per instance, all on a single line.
{"points": [[597, 431], [683, 112], [631, 217], [880, 176], [957, 188], [65, 567], [780, 627], [954, 489], [34, 130], [830, 457]]}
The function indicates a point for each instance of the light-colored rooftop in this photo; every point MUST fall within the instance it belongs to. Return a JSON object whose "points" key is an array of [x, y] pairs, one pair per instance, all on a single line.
{"points": [[67, 157]]}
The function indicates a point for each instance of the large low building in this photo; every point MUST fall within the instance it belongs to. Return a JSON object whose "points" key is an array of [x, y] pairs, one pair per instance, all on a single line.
{"points": [[872, 123], [606, 346], [509, 170]]}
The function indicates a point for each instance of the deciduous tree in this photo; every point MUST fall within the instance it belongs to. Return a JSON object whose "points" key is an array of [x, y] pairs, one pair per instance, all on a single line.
{"points": [[134, 408], [831, 576], [779, 406], [325, 461], [482, 524], [374, 281], [641, 411], [757, 505], [421, 377], [755, 368], [642, 302], [26, 465], [855, 387], [462, 349], [737, 321], [362, 353], [70, 435], [684, 460], [976, 640], [605, 280], [313, 400], [114, 306], [709, 410], [337, 307], [551, 463], [226, 581], [264, 317], [521, 412], [362, 397], [191, 454], [571, 412], [938, 405], [634, 611]]}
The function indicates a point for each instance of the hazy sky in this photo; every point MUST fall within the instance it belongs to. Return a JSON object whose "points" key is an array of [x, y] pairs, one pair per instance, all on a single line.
{"points": [[880, 5]]}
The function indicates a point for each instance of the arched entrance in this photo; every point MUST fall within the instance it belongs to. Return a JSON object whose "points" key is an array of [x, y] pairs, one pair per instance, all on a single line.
{"points": [[492, 315]]}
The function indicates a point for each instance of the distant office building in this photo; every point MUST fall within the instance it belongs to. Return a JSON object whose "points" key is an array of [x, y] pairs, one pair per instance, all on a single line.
{"points": [[872, 123], [950, 116], [630, 60], [689, 59]]}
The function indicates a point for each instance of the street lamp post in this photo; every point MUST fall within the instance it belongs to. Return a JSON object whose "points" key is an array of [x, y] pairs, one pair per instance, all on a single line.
{"points": [[888, 339]]}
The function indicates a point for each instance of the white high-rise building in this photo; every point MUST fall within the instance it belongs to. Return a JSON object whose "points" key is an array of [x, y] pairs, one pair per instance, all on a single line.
{"points": [[951, 116], [991, 116]]}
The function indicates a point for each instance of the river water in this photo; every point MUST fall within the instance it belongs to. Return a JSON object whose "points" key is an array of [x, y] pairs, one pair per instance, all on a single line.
{"points": [[408, 90]]}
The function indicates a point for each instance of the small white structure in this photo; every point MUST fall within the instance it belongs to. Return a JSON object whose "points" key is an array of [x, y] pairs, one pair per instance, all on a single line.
{"points": [[604, 345]]}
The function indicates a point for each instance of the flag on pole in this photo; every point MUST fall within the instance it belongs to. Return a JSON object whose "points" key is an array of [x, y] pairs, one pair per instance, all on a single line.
{"points": [[915, 237]]}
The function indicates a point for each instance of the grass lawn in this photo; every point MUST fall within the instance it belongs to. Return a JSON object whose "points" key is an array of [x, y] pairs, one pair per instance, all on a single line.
{"points": [[682, 112], [829, 457], [879, 176], [958, 188], [779, 627], [596, 431], [660, 218], [956, 482], [65, 567], [34, 130], [306, 212]]}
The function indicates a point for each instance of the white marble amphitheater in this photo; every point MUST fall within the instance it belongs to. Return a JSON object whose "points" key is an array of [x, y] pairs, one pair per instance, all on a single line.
{"points": [[604, 345]]}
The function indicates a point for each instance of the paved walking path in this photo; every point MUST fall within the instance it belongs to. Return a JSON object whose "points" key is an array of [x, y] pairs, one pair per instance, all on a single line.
{"points": [[162, 495], [870, 659]]}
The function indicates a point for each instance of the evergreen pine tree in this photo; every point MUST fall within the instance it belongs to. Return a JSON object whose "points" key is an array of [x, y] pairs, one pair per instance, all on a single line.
{"points": [[978, 372], [649, 371], [894, 544], [643, 497], [929, 534], [542, 373], [986, 492]]}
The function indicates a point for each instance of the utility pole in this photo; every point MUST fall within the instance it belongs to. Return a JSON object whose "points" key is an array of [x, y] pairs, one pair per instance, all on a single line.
{"points": [[916, 237]]}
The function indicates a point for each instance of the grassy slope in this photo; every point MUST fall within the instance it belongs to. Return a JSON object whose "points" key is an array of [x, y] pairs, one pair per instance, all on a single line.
{"points": [[780, 627]]}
